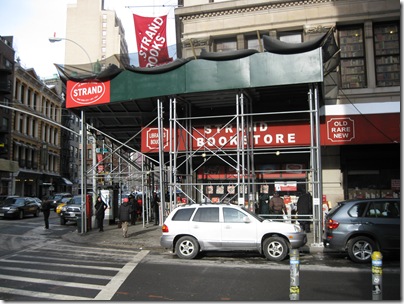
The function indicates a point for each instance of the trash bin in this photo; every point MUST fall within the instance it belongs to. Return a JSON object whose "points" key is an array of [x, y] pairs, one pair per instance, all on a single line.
{"points": [[79, 224]]}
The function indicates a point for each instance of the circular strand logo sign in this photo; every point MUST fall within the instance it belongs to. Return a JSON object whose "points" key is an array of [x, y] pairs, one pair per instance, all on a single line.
{"points": [[87, 93]]}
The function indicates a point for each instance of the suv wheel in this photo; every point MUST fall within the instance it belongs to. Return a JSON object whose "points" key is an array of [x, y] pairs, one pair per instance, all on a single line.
{"points": [[360, 249], [275, 248], [187, 247]]}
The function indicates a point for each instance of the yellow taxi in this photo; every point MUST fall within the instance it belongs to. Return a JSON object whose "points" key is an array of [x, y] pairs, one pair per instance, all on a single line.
{"points": [[62, 204]]}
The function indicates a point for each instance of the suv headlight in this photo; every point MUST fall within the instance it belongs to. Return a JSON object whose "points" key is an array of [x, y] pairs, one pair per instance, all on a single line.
{"points": [[297, 228]]}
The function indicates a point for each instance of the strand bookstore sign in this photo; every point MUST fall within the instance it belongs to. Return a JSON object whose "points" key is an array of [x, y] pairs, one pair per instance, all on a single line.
{"points": [[336, 130]]}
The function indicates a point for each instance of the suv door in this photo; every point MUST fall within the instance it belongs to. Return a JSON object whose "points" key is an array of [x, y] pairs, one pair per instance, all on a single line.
{"points": [[237, 234], [205, 227], [382, 219]]}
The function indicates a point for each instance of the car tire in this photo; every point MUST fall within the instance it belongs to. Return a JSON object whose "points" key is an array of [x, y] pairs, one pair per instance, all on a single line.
{"points": [[21, 214], [275, 248], [62, 221], [360, 249], [187, 247]]}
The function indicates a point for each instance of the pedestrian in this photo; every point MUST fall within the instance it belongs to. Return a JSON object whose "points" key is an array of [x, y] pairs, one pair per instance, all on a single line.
{"points": [[133, 214], [304, 210], [100, 207], [264, 204], [277, 205], [155, 205], [46, 207], [124, 215]]}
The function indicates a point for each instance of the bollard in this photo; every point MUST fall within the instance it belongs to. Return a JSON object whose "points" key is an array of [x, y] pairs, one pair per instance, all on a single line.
{"points": [[377, 275], [294, 290]]}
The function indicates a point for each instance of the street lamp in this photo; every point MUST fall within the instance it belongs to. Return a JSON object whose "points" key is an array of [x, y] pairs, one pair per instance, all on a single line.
{"points": [[83, 146], [58, 39]]}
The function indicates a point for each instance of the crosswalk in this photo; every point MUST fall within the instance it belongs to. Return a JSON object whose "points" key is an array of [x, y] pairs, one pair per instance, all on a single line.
{"points": [[68, 272]]}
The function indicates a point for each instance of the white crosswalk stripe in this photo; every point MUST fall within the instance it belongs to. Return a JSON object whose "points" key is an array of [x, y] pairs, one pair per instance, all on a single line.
{"points": [[58, 271]]}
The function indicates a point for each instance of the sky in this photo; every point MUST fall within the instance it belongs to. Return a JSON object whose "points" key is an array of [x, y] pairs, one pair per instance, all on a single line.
{"points": [[32, 22]]}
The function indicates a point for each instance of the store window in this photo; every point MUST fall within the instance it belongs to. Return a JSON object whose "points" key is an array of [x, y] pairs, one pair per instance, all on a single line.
{"points": [[387, 54], [353, 72], [228, 44]]}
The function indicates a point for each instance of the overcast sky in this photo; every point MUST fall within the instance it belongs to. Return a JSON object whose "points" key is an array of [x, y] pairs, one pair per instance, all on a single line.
{"points": [[32, 22]]}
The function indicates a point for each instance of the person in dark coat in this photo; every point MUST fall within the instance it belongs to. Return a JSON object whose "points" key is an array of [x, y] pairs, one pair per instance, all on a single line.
{"points": [[100, 207], [124, 212], [155, 206], [304, 210], [46, 207], [133, 215], [264, 204], [277, 205]]}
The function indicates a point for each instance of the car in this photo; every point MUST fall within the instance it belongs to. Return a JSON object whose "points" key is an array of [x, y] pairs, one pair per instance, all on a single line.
{"points": [[71, 211], [193, 228], [57, 198], [62, 203], [38, 201], [359, 227], [18, 207]]}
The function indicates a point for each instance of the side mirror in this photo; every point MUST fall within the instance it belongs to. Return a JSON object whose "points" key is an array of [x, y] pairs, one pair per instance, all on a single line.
{"points": [[246, 220]]}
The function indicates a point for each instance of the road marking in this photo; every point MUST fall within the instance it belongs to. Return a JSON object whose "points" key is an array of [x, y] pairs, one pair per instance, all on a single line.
{"points": [[112, 287], [45, 295], [70, 274]]}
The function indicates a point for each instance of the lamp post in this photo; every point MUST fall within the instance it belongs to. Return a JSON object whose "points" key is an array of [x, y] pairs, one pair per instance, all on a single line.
{"points": [[58, 39], [83, 134]]}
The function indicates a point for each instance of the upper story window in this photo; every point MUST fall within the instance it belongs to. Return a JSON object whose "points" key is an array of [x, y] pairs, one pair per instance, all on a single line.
{"points": [[290, 37], [387, 54], [228, 44], [353, 72]]}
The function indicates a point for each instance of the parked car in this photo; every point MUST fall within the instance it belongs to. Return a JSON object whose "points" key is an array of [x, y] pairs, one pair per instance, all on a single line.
{"points": [[38, 201], [362, 226], [18, 207], [62, 203], [57, 198], [192, 228], [71, 211]]}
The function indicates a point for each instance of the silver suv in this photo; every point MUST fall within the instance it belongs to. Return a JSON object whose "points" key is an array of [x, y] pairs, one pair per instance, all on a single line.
{"points": [[362, 226], [192, 228]]}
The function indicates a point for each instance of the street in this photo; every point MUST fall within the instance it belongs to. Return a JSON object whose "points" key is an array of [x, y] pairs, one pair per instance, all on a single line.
{"points": [[37, 264]]}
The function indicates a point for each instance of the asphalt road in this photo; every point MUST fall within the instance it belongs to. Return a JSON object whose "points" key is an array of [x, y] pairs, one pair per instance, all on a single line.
{"points": [[60, 264]]}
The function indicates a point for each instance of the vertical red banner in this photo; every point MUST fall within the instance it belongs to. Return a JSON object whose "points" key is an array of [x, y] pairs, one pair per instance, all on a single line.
{"points": [[151, 40]]}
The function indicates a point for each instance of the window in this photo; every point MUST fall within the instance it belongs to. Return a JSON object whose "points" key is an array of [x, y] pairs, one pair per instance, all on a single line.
{"points": [[253, 43], [387, 54], [290, 37], [228, 44], [353, 72], [183, 214], [231, 215], [207, 215]]}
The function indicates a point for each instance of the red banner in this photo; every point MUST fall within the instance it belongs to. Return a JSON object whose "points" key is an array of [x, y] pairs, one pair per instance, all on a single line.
{"points": [[151, 40], [87, 93]]}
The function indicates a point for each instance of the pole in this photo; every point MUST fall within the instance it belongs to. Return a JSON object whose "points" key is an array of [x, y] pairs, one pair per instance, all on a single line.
{"points": [[377, 271], [83, 173], [294, 291]]}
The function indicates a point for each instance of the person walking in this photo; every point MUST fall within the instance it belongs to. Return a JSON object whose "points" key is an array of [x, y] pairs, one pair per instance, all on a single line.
{"points": [[124, 215], [304, 210], [46, 207], [133, 214], [277, 205], [100, 207]]}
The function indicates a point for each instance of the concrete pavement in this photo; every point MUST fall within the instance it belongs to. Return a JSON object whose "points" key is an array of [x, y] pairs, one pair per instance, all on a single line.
{"points": [[143, 236]]}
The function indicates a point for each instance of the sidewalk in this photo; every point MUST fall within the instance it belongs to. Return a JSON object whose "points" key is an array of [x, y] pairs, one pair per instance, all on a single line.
{"points": [[144, 237]]}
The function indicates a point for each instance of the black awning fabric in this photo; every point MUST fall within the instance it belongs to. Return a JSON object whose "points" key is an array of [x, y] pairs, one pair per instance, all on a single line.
{"points": [[276, 46]]}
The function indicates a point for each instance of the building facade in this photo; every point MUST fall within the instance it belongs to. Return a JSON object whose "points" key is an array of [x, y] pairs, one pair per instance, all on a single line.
{"points": [[36, 136], [103, 38], [7, 166], [366, 82]]}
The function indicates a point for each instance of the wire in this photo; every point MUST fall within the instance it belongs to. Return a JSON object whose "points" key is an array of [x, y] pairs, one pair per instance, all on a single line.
{"points": [[364, 116]]}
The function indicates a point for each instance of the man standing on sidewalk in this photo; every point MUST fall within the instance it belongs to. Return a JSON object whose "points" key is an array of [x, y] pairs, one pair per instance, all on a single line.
{"points": [[124, 215]]}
